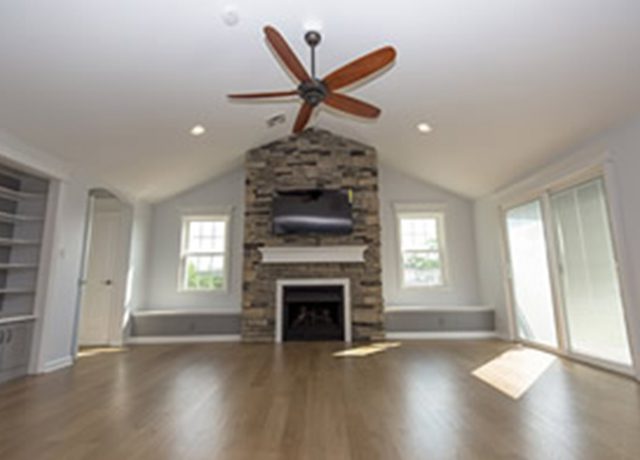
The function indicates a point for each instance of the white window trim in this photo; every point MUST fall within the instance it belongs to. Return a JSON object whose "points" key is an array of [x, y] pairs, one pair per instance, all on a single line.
{"points": [[436, 212], [225, 218]]}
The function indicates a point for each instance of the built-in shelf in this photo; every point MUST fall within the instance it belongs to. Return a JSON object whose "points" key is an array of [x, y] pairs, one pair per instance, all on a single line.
{"points": [[17, 195], [17, 266], [22, 215], [17, 291], [18, 242], [7, 217], [17, 319]]}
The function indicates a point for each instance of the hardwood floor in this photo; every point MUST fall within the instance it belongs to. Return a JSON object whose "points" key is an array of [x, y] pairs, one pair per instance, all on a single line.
{"points": [[241, 401]]}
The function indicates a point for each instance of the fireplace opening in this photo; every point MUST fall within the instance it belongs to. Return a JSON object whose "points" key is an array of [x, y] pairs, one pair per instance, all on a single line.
{"points": [[313, 313]]}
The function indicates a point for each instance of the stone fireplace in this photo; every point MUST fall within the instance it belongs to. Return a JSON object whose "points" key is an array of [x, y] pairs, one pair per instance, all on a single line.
{"points": [[284, 273]]}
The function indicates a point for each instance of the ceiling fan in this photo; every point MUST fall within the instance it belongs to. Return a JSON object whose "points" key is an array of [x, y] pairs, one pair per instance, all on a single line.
{"points": [[314, 90]]}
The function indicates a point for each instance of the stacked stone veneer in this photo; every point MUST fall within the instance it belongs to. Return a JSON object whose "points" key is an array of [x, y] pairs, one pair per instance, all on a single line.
{"points": [[312, 159]]}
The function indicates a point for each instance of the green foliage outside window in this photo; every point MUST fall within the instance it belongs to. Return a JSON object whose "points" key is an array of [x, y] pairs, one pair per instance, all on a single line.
{"points": [[420, 262], [203, 280]]}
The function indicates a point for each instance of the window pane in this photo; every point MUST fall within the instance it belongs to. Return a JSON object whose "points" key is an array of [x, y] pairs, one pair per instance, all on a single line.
{"points": [[531, 281], [204, 236], [422, 268], [419, 233], [204, 272]]}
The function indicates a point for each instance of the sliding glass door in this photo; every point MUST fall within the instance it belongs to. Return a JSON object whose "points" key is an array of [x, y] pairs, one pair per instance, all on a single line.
{"points": [[565, 291], [588, 274], [530, 277]]}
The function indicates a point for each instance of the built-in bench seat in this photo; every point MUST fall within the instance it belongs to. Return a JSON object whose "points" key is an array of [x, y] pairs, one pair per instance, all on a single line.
{"points": [[164, 326], [422, 322]]}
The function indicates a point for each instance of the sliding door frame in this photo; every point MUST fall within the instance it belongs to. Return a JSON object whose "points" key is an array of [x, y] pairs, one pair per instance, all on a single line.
{"points": [[603, 170]]}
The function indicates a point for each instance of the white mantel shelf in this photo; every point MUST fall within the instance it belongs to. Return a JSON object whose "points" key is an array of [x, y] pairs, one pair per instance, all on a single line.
{"points": [[312, 254]]}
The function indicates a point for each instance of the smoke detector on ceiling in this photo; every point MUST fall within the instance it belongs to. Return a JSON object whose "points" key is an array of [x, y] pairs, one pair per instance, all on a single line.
{"points": [[230, 16]]}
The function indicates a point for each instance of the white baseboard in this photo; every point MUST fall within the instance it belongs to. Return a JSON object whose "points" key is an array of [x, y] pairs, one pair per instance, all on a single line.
{"points": [[57, 364], [454, 335], [170, 339]]}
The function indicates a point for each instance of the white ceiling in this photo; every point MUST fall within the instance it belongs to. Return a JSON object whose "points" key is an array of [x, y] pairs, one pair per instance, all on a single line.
{"points": [[115, 86]]}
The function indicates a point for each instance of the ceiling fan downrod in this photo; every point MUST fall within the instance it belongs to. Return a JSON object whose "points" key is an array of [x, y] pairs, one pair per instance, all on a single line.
{"points": [[313, 91], [313, 39]]}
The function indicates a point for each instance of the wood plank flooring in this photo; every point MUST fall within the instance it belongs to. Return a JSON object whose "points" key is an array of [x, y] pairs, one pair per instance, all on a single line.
{"points": [[296, 401]]}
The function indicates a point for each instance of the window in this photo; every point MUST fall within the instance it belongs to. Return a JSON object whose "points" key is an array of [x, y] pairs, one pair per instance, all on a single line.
{"points": [[422, 249], [203, 257]]}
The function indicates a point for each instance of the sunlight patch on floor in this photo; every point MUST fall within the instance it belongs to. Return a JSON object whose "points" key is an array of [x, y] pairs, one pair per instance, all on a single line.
{"points": [[515, 371], [88, 352], [366, 350]]}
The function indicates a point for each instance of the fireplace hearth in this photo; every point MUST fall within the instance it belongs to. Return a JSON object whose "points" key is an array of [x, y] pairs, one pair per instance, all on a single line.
{"points": [[313, 313]]}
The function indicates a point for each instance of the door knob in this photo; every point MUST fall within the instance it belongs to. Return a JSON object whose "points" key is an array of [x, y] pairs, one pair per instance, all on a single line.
{"points": [[108, 282]]}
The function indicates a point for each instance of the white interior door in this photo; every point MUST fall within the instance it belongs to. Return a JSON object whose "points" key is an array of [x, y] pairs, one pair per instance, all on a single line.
{"points": [[97, 297]]}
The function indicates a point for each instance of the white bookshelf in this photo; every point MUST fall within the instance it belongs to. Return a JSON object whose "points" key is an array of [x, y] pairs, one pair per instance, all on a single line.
{"points": [[23, 199]]}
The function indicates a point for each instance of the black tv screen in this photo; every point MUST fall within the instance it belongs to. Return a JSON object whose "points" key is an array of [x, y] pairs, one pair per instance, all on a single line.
{"points": [[312, 211]]}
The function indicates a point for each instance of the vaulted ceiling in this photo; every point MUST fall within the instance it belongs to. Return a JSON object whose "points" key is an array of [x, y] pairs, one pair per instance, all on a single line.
{"points": [[115, 86]]}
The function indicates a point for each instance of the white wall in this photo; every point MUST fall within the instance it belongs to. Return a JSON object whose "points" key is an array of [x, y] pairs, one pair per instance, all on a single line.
{"points": [[58, 312], [489, 268], [136, 295], [621, 147], [218, 195], [396, 187]]}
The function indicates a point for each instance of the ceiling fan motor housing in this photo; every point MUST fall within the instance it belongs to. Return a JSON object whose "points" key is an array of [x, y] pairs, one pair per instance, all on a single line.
{"points": [[313, 91]]}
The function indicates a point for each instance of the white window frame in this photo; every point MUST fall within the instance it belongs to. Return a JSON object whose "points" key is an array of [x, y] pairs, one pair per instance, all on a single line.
{"points": [[186, 220], [427, 212]]}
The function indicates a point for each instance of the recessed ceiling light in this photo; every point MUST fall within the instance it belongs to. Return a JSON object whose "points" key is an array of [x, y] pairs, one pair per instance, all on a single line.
{"points": [[198, 130], [424, 127]]}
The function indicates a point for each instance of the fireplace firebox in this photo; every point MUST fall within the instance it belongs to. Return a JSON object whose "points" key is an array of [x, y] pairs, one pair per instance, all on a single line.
{"points": [[313, 313]]}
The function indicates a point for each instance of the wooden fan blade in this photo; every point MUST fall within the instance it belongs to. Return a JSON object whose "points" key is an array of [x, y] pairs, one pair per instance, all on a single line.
{"points": [[284, 51], [351, 105], [303, 117], [262, 95], [360, 68]]}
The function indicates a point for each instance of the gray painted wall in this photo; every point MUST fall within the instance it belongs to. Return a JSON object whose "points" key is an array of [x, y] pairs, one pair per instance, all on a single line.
{"points": [[396, 187], [216, 196]]}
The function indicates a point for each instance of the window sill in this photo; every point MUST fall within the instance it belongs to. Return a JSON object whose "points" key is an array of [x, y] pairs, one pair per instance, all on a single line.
{"points": [[204, 291]]}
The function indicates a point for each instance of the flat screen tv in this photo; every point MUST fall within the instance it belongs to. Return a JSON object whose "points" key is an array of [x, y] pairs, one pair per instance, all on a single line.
{"points": [[312, 211]]}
